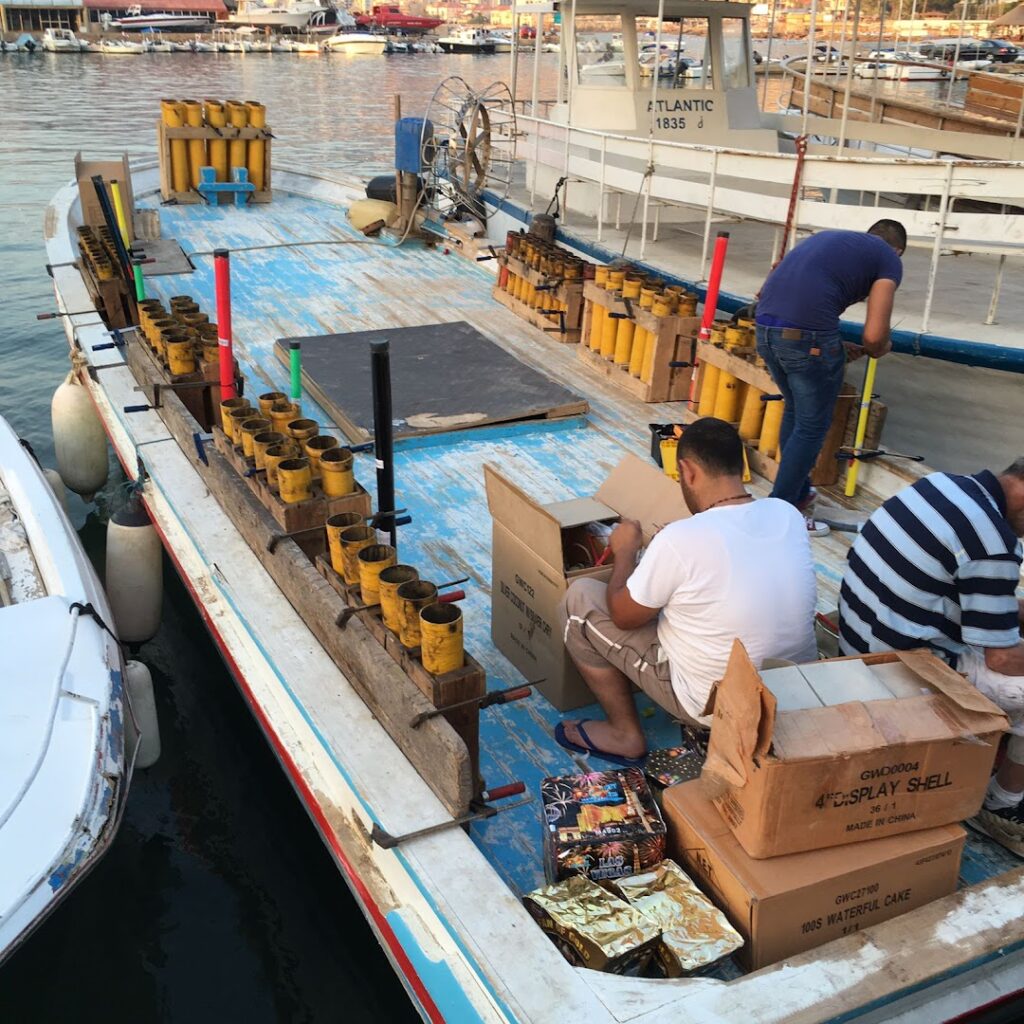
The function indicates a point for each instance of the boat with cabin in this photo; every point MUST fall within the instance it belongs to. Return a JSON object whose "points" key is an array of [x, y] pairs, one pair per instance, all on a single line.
{"points": [[468, 40], [348, 37], [122, 46], [134, 20], [344, 723], [282, 14], [61, 40], [66, 731]]}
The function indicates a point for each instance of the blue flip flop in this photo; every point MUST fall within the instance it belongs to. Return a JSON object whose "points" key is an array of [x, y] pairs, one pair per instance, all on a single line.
{"points": [[591, 750]]}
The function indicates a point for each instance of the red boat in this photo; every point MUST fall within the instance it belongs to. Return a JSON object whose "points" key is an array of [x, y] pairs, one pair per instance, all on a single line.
{"points": [[389, 17]]}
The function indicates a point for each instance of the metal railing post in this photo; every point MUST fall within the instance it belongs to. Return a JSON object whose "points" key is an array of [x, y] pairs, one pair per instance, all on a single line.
{"points": [[709, 215], [936, 249], [600, 201]]}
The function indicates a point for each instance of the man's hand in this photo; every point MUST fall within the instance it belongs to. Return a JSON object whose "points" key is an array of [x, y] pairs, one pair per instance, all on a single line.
{"points": [[879, 349], [853, 352], [626, 539]]}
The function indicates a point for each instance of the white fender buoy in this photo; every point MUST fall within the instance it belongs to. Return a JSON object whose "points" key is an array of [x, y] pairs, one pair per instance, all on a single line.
{"points": [[134, 574], [139, 684], [78, 438], [57, 486]]}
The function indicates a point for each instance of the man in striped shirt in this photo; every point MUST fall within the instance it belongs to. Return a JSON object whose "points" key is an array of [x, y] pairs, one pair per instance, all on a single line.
{"points": [[938, 566]]}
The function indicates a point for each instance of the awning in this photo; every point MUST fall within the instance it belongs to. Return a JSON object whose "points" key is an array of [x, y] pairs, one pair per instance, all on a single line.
{"points": [[160, 6], [1010, 18]]}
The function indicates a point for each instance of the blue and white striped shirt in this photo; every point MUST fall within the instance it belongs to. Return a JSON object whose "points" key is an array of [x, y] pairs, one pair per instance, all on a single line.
{"points": [[936, 565]]}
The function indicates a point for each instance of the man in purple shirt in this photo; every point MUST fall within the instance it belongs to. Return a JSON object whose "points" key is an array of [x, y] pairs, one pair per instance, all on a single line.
{"points": [[798, 337]]}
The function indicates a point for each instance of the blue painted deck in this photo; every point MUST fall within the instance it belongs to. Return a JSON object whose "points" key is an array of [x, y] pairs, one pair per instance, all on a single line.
{"points": [[363, 285]]}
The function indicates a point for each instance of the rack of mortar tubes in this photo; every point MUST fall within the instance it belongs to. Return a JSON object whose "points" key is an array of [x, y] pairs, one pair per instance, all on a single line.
{"points": [[181, 343], [222, 135], [733, 384], [543, 284], [636, 330], [281, 456]]}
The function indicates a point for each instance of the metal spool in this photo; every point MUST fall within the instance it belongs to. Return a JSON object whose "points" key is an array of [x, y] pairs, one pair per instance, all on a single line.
{"points": [[468, 145]]}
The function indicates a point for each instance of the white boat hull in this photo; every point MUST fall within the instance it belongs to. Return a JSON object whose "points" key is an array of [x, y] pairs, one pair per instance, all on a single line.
{"points": [[355, 42], [62, 709], [272, 19]]}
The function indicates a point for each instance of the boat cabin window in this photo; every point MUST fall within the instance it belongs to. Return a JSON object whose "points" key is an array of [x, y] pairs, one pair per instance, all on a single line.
{"points": [[685, 59], [735, 55], [599, 57]]}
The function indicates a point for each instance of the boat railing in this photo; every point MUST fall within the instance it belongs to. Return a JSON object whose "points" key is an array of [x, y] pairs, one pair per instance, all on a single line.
{"points": [[756, 187]]}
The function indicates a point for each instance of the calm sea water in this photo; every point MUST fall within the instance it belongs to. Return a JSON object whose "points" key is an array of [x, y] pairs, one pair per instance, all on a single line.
{"points": [[218, 901]]}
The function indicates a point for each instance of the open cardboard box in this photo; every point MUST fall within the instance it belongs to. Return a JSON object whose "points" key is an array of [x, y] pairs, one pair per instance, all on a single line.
{"points": [[786, 905], [110, 170], [839, 754], [532, 546]]}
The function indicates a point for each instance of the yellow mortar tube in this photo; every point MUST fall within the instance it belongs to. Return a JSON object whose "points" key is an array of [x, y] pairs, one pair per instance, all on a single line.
{"points": [[122, 220], [609, 324], [196, 147], [238, 117], [388, 582], [213, 111], [769, 443], [441, 647], [626, 329], [752, 415], [640, 335], [257, 152], [373, 560], [336, 525], [708, 390], [173, 114], [662, 308]]}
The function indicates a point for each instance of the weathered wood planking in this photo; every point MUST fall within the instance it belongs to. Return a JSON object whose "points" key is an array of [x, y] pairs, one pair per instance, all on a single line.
{"points": [[434, 749]]}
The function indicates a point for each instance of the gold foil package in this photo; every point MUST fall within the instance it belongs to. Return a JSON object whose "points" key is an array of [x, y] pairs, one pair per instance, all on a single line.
{"points": [[592, 927], [694, 933]]}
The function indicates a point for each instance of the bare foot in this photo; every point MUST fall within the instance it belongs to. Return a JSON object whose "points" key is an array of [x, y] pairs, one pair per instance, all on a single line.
{"points": [[604, 737]]}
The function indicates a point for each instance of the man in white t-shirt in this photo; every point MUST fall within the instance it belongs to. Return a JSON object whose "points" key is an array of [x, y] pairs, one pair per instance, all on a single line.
{"points": [[738, 568]]}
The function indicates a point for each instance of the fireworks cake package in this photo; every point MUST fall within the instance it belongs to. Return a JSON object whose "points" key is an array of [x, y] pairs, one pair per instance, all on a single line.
{"points": [[593, 928], [694, 932], [603, 825]]}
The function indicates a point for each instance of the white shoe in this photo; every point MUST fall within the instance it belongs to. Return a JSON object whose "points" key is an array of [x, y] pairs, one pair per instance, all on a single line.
{"points": [[816, 528]]}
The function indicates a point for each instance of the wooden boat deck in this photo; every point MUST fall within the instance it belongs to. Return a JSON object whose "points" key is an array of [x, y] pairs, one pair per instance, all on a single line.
{"points": [[282, 286]]}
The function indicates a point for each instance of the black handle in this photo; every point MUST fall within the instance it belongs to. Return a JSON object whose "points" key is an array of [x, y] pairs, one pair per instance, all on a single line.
{"points": [[137, 408]]}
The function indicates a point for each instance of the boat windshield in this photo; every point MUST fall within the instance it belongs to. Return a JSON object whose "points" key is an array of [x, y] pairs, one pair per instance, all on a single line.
{"points": [[735, 58], [599, 58], [684, 57]]}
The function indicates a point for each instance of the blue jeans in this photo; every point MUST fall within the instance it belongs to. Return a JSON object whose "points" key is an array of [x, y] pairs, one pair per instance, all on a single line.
{"points": [[808, 371]]}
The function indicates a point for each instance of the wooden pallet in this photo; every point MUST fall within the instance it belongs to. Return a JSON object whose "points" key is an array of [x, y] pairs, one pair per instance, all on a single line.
{"points": [[463, 684], [674, 338], [292, 517], [739, 362], [164, 135], [568, 292]]}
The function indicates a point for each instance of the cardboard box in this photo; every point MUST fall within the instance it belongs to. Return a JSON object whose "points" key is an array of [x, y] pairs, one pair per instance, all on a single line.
{"points": [[850, 756], [603, 825], [110, 170], [532, 546], [790, 904]]}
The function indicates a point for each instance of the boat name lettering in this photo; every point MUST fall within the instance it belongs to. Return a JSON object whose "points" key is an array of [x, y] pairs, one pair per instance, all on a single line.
{"points": [[673, 106]]}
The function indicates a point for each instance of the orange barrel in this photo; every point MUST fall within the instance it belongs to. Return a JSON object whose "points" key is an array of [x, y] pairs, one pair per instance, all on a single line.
{"points": [[441, 647], [213, 111], [317, 446], [226, 408], [336, 525], [295, 480], [250, 428], [238, 117], [336, 476], [257, 151], [353, 540], [173, 114], [261, 442], [412, 596], [388, 582], [196, 147], [373, 560]]}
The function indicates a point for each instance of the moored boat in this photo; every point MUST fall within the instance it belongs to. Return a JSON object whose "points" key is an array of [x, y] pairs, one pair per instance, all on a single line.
{"points": [[349, 38], [122, 47], [467, 40], [61, 40], [64, 717]]}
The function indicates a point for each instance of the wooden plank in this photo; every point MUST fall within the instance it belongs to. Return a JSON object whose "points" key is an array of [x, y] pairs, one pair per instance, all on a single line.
{"points": [[434, 749], [749, 372]]}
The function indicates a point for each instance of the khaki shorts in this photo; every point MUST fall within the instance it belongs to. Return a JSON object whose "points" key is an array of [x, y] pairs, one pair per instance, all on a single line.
{"points": [[594, 641]]}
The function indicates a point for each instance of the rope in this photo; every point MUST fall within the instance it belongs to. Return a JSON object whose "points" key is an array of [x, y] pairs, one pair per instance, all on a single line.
{"points": [[286, 245], [636, 203]]}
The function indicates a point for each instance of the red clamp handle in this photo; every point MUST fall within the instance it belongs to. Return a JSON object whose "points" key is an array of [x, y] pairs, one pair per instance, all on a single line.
{"points": [[455, 595], [511, 789], [523, 691]]}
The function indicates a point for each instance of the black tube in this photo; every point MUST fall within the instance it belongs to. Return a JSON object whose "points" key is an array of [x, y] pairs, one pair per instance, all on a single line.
{"points": [[115, 231], [383, 437]]}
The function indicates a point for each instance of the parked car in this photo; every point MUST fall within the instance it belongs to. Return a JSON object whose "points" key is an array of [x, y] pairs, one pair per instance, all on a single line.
{"points": [[972, 49]]}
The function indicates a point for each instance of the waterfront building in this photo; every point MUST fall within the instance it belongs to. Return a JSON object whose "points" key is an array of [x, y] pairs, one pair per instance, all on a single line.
{"points": [[39, 15]]}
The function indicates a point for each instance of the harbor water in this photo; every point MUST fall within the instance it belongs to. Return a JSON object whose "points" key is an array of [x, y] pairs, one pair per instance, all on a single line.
{"points": [[217, 901]]}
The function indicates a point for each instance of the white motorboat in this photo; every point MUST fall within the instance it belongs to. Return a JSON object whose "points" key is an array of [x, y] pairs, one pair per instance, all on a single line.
{"points": [[122, 47], [900, 68], [201, 45], [502, 43], [258, 41], [306, 46], [25, 43], [349, 38], [134, 20], [293, 14], [160, 45], [226, 40], [468, 40], [63, 720], [178, 47], [61, 40]]}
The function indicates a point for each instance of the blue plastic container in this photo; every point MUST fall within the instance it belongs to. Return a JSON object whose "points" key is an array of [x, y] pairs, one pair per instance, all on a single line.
{"points": [[408, 132]]}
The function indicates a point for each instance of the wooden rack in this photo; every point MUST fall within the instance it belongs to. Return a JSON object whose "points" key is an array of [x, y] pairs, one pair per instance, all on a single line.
{"points": [[673, 341], [569, 293], [165, 135]]}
